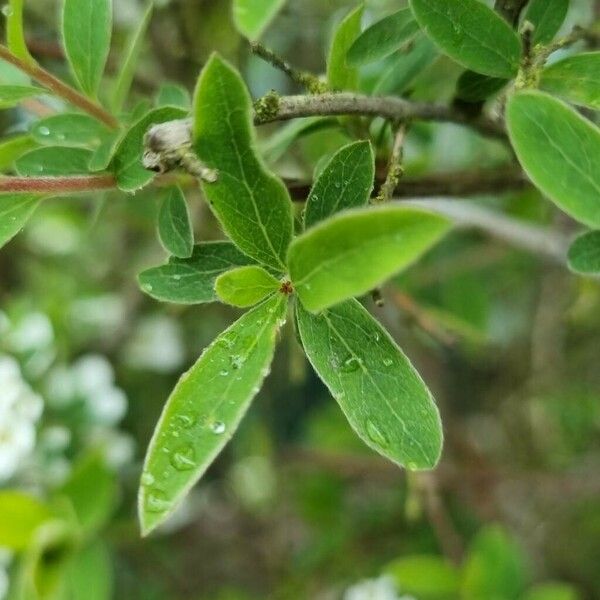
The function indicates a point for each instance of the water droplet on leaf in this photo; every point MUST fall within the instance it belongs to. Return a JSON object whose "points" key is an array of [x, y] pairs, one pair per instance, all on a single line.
{"points": [[157, 501], [43, 130], [184, 458], [350, 364], [376, 435], [147, 479], [218, 427]]}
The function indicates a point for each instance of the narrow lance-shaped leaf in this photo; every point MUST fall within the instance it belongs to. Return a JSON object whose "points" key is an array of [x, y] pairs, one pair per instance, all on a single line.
{"points": [[192, 280], [245, 286], [584, 254], [472, 34], [575, 78], [205, 409], [382, 38], [252, 204], [69, 129], [15, 211], [345, 182], [379, 391], [174, 225], [252, 17], [340, 75], [14, 147], [11, 95], [355, 251], [546, 16], [52, 161], [15, 36], [559, 150], [86, 28]]}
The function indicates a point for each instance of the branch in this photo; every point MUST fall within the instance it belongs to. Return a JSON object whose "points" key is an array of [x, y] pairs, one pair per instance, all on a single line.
{"points": [[539, 240], [54, 185], [59, 88]]}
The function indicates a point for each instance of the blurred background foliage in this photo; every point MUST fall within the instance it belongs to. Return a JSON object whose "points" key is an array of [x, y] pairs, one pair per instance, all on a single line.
{"points": [[295, 507]]}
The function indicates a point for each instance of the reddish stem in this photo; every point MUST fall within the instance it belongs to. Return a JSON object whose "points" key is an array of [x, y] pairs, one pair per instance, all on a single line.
{"points": [[53, 185]]}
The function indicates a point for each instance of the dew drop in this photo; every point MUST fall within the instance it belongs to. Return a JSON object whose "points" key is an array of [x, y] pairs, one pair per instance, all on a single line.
{"points": [[387, 362], [61, 137], [43, 130], [376, 336], [147, 479], [157, 501], [412, 466], [185, 420], [218, 427], [350, 364], [338, 185], [237, 361], [224, 373], [376, 435], [184, 458], [147, 287]]}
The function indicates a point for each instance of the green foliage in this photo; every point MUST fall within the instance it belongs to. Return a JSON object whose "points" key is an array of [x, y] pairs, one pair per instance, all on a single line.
{"points": [[546, 16], [11, 95], [86, 29], [90, 574], [382, 38], [552, 591], [575, 78], [252, 17], [474, 87], [15, 211], [559, 150], [193, 430], [252, 204], [54, 160], [458, 29], [584, 254], [379, 391], [345, 182], [15, 36], [341, 75], [353, 252], [174, 225], [69, 129], [22, 516], [426, 577], [245, 286]]}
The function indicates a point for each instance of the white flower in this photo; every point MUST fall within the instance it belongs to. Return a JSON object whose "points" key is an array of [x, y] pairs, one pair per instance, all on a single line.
{"points": [[119, 450], [55, 438], [61, 387], [382, 588], [107, 406], [32, 333], [17, 440], [92, 373]]}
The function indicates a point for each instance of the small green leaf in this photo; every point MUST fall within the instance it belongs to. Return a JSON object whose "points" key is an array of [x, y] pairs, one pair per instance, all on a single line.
{"points": [[127, 160], [104, 153], [379, 391], [345, 182], [406, 67], [13, 148], [15, 211], [68, 129], [559, 150], [355, 251], [472, 34], [546, 16], [205, 409], [54, 161], [15, 36], [11, 95], [340, 75], [382, 38], [171, 94], [192, 280], [22, 515], [494, 567], [584, 254], [90, 574], [252, 204], [474, 87], [174, 225], [252, 17], [425, 577], [245, 286], [87, 28], [575, 78], [128, 67], [552, 591]]}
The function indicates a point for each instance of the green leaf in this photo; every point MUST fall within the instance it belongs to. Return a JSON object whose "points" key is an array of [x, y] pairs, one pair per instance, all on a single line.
{"points": [[192, 280], [13, 148], [245, 286], [355, 251], [15, 211], [575, 78], [92, 491], [406, 67], [494, 567], [104, 153], [171, 94], [205, 409], [127, 160], [129, 65], [252, 17], [15, 36], [559, 150], [86, 29], [340, 75], [382, 38], [68, 129], [174, 225], [345, 182], [22, 516], [546, 16], [552, 591], [53, 161], [425, 577], [472, 34], [474, 87], [379, 391], [90, 574], [11, 95], [252, 204], [584, 254]]}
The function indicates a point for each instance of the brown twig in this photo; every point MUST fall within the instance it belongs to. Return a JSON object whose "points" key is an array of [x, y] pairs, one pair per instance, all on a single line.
{"points": [[394, 170], [54, 185]]}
